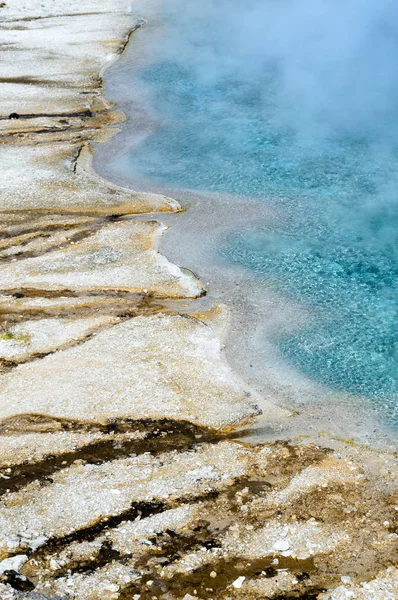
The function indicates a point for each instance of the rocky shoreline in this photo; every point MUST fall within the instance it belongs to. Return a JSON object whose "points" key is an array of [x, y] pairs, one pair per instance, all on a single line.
{"points": [[121, 475]]}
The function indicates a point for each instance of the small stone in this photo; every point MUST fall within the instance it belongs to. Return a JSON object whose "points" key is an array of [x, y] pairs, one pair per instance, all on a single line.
{"points": [[346, 579], [281, 545], [36, 543], [213, 574], [13, 564], [238, 582], [54, 565], [112, 587]]}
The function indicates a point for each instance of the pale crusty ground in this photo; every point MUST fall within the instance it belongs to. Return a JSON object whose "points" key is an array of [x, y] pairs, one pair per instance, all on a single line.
{"points": [[302, 541], [81, 495], [384, 587], [119, 257], [57, 176], [133, 370], [119, 477], [17, 308], [25, 340], [14, 224], [38, 242], [25, 448], [52, 57], [197, 538]]}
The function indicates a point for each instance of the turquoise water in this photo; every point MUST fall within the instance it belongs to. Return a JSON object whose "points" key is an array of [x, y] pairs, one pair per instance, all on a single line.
{"points": [[251, 102]]}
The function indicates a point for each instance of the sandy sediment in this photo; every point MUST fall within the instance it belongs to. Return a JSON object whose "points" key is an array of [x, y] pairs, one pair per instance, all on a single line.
{"points": [[120, 477]]}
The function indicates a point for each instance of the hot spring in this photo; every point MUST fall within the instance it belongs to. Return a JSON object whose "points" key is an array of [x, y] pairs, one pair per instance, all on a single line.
{"points": [[293, 106]]}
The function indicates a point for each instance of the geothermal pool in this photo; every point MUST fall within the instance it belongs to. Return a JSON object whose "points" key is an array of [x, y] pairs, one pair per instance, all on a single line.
{"points": [[290, 107]]}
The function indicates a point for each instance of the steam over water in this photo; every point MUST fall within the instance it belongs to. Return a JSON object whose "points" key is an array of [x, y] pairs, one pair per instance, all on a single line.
{"points": [[294, 102]]}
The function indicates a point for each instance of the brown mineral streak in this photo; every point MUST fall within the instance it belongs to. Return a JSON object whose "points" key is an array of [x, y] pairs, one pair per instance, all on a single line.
{"points": [[121, 473]]}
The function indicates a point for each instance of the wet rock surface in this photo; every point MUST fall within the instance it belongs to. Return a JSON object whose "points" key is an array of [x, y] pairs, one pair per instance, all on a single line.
{"points": [[121, 473]]}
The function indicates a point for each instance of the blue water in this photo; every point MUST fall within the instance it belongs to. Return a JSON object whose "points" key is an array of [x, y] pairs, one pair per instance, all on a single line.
{"points": [[307, 122]]}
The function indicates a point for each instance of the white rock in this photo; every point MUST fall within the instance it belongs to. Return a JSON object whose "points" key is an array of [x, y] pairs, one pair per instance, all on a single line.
{"points": [[112, 587], [281, 545], [13, 564], [39, 541], [238, 582], [54, 565]]}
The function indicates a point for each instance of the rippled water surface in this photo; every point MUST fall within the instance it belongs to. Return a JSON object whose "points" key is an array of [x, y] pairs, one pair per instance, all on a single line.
{"points": [[298, 109]]}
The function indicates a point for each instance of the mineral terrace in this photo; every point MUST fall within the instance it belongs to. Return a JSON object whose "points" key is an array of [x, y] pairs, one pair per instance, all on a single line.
{"points": [[120, 470]]}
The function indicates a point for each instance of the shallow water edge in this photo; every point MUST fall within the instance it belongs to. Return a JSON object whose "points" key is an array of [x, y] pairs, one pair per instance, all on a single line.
{"points": [[257, 313]]}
